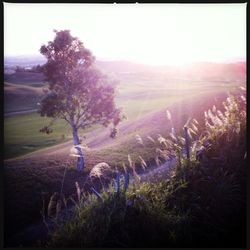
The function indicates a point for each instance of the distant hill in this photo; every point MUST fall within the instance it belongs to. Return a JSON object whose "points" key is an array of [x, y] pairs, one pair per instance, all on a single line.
{"points": [[18, 97], [26, 78], [205, 71], [23, 61], [201, 71]]}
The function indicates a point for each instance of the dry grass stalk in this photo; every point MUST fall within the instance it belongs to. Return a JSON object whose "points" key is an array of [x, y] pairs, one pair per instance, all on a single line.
{"points": [[130, 162], [139, 140], [97, 194], [168, 115], [173, 137], [186, 130], [214, 109], [143, 163], [151, 139], [161, 153], [58, 208], [187, 122], [124, 167], [52, 205], [44, 217], [132, 166], [162, 140], [157, 161], [194, 127], [78, 191]]}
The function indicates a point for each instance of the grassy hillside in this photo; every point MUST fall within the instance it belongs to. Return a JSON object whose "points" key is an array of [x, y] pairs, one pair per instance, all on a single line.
{"points": [[194, 208], [145, 96], [22, 134], [22, 91], [137, 99], [203, 204], [38, 175], [19, 97], [137, 93], [26, 78]]}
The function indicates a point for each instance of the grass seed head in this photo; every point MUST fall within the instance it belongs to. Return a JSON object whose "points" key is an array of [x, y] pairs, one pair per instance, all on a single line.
{"points": [[151, 139], [214, 109], [162, 140], [168, 114], [130, 161], [157, 161], [78, 191], [143, 163], [139, 139], [52, 205], [101, 170]]}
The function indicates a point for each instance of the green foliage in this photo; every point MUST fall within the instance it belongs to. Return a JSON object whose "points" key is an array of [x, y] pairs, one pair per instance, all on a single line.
{"points": [[78, 93], [130, 219], [203, 204]]}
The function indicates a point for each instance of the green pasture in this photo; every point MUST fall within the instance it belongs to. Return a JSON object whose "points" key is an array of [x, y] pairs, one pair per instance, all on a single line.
{"points": [[21, 134]]}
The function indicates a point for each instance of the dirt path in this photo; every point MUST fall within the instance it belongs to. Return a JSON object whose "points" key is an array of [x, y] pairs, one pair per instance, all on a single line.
{"points": [[166, 168]]}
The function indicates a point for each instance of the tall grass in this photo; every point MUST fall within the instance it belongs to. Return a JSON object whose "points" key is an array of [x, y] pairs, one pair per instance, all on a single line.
{"points": [[202, 205]]}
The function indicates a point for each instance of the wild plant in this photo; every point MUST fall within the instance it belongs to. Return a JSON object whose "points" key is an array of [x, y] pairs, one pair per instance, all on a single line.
{"points": [[196, 141], [204, 195], [229, 122], [183, 148], [131, 165]]}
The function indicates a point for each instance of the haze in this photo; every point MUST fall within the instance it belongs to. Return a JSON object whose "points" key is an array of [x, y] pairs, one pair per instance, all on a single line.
{"points": [[154, 34]]}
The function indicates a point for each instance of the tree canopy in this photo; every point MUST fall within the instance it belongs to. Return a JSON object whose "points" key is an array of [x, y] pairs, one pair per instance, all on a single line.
{"points": [[77, 89], [78, 92]]}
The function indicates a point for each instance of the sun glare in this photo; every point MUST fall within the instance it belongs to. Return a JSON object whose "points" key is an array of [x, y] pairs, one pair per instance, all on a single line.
{"points": [[151, 34]]}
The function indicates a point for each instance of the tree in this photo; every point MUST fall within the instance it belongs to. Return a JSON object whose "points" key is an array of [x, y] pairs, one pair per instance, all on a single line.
{"points": [[36, 69], [19, 69], [78, 92]]}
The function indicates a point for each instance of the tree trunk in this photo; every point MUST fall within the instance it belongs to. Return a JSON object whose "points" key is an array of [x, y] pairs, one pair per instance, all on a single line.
{"points": [[80, 159]]}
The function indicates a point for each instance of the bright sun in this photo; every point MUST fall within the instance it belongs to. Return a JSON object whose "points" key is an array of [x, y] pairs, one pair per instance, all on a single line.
{"points": [[145, 33]]}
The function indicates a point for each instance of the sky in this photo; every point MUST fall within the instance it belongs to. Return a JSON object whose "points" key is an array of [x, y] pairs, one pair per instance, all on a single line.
{"points": [[156, 34]]}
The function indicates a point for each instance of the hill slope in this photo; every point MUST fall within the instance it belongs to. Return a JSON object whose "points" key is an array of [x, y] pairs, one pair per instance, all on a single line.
{"points": [[19, 97], [151, 124], [39, 174]]}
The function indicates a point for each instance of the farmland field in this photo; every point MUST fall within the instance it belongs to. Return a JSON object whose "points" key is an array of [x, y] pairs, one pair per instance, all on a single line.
{"points": [[22, 134], [137, 99]]}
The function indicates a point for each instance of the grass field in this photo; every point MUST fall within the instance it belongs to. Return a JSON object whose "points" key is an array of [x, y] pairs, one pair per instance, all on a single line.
{"points": [[137, 97], [22, 134], [22, 91], [26, 78], [38, 175], [20, 97], [140, 98], [22, 131]]}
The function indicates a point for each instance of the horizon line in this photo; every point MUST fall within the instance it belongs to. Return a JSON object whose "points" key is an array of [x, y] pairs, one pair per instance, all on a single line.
{"points": [[229, 60]]}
